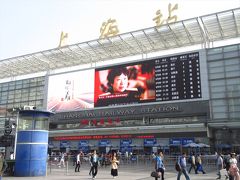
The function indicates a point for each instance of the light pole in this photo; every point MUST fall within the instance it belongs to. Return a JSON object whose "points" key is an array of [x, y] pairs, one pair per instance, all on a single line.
{"points": [[15, 111], [16, 133]]}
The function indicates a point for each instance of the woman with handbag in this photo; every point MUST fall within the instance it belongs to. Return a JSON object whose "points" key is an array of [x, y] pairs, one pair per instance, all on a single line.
{"points": [[114, 165]]}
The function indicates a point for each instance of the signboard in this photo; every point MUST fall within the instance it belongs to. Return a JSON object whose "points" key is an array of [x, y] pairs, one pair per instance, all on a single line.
{"points": [[160, 79], [178, 77], [87, 137], [125, 142], [104, 142], [180, 141], [83, 146], [149, 142], [187, 141], [64, 144], [71, 91], [83, 143]]}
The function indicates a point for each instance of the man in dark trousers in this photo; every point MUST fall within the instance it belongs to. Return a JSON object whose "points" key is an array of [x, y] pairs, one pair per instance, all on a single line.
{"points": [[94, 161], [192, 162], [78, 162]]}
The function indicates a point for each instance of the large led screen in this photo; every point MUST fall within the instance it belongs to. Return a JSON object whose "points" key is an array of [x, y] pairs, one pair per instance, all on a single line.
{"points": [[160, 79], [71, 91], [125, 84]]}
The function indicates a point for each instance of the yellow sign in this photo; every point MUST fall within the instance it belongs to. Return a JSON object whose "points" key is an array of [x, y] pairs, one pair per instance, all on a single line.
{"points": [[63, 38], [109, 28], [171, 18], [158, 19], [170, 10]]}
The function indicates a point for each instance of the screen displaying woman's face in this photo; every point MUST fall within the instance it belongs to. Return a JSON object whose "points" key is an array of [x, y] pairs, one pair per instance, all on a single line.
{"points": [[120, 83]]}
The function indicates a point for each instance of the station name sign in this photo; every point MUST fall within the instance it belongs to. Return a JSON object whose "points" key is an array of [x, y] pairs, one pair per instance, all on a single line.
{"points": [[117, 112]]}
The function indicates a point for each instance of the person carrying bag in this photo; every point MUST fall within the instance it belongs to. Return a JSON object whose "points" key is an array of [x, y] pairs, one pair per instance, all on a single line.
{"points": [[159, 167]]}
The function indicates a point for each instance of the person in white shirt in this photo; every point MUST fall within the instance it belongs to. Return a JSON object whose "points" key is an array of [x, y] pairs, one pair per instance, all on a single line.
{"points": [[78, 162], [62, 160], [219, 165]]}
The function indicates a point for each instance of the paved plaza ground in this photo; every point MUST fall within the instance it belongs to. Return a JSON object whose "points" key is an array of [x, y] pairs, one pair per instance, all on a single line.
{"points": [[125, 173]]}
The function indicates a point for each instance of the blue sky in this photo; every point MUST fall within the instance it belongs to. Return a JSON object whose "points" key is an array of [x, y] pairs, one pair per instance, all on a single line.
{"points": [[29, 26]]}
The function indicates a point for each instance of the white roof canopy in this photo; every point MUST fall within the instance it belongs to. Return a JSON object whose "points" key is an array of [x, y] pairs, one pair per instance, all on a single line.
{"points": [[200, 30]]}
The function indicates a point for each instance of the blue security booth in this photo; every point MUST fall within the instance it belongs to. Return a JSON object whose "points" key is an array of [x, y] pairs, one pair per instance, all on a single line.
{"points": [[31, 143]]}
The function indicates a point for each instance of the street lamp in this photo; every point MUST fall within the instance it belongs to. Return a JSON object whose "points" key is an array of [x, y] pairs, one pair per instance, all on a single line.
{"points": [[16, 133], [15, 125]]}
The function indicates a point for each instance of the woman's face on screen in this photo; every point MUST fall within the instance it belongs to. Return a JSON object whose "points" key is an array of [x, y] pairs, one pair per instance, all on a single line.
{"points": [[120, 83]]}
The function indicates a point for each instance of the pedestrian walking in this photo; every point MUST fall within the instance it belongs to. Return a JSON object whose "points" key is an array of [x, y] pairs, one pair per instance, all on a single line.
{"points": [[226, 164], [90, 162], [94, 161], [3, 165], [74, 159], [114, 165], [219, 165], [183, 167], [199, 165], [192, 162], [159, 166], [78, 162], [233, 170], [62, 160]]}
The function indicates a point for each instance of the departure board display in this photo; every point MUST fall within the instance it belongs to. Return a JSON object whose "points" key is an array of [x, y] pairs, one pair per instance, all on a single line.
{"points": [[178, 77]]}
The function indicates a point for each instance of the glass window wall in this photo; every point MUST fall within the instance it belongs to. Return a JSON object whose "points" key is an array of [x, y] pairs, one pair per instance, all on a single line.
{"points": [[20, 93], [224, 82]]}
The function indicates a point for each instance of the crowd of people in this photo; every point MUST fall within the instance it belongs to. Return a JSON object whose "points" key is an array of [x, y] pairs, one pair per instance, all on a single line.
{"points": [[95, 161], [226, 164]]}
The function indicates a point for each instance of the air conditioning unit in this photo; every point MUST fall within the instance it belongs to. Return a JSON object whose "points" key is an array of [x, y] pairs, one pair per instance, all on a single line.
{"points": [[29, 107]]}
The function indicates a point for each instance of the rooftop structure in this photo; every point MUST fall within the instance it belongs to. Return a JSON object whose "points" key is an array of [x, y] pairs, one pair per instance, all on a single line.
{"points": [[200, 30]]}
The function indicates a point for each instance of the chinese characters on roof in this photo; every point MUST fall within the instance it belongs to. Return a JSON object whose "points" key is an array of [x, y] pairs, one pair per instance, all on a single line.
{"points": [[171, 18], [110, 27], [63, 39]]}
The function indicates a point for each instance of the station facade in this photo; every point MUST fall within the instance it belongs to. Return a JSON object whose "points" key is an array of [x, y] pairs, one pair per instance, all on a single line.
{"points": [[185, 97]]}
